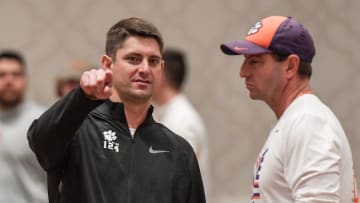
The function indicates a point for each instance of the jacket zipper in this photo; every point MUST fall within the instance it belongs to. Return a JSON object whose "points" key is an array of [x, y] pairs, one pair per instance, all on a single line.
{"points": [[131, 169]]}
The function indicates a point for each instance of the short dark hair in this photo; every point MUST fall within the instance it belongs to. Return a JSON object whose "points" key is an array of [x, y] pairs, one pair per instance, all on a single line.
{"points": [[305, 68], [15, 56], [175, 67], [119, 32]]}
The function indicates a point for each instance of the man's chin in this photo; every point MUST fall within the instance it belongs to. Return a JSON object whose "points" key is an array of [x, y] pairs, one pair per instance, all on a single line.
{"points": [[253, 96], [144, 97], [138, 97], [10, 103]]}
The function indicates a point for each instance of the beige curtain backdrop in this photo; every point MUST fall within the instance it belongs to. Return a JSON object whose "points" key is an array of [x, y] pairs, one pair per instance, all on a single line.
{"points": [[53, 33]]}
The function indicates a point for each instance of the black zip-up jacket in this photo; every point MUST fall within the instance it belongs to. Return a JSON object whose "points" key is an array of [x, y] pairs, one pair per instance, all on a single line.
{"points": [[87, 146]]}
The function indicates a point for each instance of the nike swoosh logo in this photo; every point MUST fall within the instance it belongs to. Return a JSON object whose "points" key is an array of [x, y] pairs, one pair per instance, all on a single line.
{"points": [[154, 151], [240, 48]]}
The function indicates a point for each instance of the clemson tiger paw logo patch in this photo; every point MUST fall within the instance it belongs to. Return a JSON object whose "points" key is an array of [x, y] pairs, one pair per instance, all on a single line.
{"points": [[109, 141], [255, 28]]}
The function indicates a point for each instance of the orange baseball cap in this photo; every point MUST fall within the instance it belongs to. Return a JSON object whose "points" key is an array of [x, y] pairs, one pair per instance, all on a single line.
{"points": [[279, 34]]}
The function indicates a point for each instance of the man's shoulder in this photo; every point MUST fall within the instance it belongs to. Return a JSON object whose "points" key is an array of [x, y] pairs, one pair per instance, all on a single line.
{"points": [[180, 112], [165, 130], [34, 108], [181, 104], [172, 136], [307, 106]]}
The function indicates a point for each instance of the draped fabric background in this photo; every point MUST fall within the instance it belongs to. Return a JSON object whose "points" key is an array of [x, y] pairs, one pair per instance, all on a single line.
{"points": [[52, 33]]}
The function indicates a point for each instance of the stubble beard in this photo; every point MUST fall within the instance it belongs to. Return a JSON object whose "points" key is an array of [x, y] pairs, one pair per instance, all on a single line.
{"points": [[129, 95], [6, 103]]}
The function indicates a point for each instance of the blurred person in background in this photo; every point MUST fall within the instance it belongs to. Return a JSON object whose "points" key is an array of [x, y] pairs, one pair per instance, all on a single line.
{"points": [[69, 78], [175, 111], [21, 178], [307, 157], [66, 83]]}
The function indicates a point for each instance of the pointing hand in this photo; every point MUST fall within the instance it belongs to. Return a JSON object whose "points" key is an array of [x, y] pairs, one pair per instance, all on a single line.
{"points": [[97, 83]]}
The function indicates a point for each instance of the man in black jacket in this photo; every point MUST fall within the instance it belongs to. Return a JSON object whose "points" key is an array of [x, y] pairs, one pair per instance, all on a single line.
{"points": [[98, 150]]}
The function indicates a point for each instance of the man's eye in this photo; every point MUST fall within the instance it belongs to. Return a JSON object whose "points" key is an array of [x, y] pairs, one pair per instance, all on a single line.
{"points": [[133, 58], [154, 61], [254, 62], [15, 74]]}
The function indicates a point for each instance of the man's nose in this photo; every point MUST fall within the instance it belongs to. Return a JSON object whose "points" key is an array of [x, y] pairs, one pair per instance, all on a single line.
{"points": [[144, 66], [243, 71]]}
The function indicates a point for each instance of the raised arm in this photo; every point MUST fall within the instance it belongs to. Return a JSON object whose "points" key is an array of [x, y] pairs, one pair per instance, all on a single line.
{"points": [[50, 135]]}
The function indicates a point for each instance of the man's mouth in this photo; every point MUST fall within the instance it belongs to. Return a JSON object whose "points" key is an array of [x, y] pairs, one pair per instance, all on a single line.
{"points": [[142, 81], [248, 85]]}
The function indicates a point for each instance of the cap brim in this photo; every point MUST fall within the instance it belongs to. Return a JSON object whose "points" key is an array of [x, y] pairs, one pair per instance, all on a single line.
{"points": [[243, 47]]}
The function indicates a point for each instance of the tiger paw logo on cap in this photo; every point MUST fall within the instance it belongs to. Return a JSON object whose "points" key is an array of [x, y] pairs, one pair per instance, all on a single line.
{"points": [[279, 34], [254, 29], [263, 37]]}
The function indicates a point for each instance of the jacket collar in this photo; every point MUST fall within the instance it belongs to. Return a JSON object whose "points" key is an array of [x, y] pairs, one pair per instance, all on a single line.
{"points": [[115, 110]]}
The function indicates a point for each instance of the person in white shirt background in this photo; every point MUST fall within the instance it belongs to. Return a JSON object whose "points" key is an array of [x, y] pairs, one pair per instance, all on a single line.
{"points": [[21, 178], [307, 157], [174, 110]]}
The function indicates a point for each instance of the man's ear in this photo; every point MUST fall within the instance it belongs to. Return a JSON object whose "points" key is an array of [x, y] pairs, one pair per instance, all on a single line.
{"points": [[292, 65], [106, 62]]}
